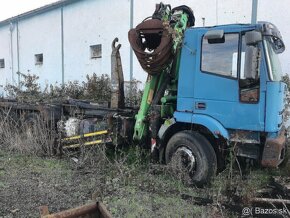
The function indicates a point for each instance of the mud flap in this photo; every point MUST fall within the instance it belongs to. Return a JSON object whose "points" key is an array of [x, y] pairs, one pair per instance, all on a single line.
{"points": [[274, 151]]}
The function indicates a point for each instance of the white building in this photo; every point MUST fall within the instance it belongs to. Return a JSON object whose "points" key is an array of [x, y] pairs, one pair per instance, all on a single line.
{"points": [[63, 41], [69, 39]]}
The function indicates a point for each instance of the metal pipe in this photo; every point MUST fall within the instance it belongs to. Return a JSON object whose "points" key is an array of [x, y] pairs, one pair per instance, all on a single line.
{"points": [[11, 28], [131, 51], [217, 12], [62, 48], [75, 212], [254, 11], [90, 210], [18, 55]]}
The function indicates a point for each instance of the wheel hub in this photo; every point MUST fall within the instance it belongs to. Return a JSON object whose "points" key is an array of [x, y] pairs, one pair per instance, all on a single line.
{"points": [[187, 158]]}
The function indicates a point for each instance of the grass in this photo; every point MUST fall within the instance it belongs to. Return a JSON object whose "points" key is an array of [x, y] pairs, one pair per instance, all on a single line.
{"points": [[59, 183], [137, 203], [27, 182], [125, 180]]}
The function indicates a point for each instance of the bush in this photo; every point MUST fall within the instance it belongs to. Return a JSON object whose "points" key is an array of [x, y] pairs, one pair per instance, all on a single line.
{"points": [[133, 95], [27, 90], [95, 88], [34, 136]]}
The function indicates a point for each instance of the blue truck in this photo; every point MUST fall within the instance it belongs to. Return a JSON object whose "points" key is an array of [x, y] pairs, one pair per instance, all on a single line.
{"points": [[217, 89], [210, 92]]}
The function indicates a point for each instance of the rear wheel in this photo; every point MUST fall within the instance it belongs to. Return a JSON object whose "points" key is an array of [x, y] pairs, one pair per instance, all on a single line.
{"points": [[194, 154]]}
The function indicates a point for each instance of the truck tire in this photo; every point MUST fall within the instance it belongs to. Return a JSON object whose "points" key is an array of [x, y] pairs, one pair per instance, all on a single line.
{"points": [[196, 154]]}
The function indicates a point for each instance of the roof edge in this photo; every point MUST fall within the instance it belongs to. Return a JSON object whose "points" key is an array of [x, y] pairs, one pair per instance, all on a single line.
{"points": [[37, 11]]}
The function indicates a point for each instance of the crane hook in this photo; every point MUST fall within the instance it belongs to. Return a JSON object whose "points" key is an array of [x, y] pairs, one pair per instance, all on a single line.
{"points": [[114, 44]]}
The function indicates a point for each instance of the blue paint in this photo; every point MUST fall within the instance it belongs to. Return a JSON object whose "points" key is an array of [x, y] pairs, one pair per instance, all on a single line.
{"points": [[223, 111], [213, 125], [274, 106]]}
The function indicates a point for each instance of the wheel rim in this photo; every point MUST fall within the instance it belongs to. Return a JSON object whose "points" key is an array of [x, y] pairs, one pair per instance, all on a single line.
{"points": [[187, 158]]}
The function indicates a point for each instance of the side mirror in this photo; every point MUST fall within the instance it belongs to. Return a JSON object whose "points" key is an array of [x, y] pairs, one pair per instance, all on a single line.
{"points": [[252, 62], [215, 36], [253, 37]]}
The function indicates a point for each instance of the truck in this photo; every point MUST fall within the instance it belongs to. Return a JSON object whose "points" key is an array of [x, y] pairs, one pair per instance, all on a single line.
{"points": [[209, 91]]}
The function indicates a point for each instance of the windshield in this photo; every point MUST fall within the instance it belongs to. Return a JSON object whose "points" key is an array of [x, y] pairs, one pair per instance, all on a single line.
{"points": [[272, 60]]}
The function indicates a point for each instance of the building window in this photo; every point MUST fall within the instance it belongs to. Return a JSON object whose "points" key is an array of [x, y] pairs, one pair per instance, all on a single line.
{"points": [[221, 57], [2, 63], [38, 59], [96, 51]]}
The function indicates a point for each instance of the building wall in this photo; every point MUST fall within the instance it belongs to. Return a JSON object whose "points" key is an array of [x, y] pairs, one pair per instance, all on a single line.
{"points": [[41, 35], [5, 53], [85, 23], [91, 22], [217, 12], [214, 11]]}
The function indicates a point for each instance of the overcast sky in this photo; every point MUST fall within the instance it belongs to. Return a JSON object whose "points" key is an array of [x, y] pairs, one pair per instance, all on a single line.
{"points": [[10, 8]]}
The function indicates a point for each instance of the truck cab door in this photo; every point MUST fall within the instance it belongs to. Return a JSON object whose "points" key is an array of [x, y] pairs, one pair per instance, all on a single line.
{"points": [[220, 90]]}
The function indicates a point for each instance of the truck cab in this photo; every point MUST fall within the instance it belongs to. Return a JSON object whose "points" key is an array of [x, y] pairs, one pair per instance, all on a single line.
{"points": [[230, 92]]}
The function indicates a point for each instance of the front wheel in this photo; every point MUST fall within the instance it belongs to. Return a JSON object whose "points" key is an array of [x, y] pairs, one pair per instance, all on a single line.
{"points": [[194, 154]]}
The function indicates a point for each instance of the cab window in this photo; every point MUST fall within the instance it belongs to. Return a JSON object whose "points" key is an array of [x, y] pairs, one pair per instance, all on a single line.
{"points": [[221, 57], [249, 88]]}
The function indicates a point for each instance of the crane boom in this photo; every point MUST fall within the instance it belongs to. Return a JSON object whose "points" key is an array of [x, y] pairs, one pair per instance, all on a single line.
{"points": [[156, 43]]}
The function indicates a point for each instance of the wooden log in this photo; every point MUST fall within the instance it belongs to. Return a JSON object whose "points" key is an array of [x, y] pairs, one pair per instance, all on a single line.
{"points": [[270, 200]]}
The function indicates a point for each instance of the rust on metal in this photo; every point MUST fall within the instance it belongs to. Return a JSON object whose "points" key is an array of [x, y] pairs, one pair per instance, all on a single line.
{"points": [[43, 210], [152, 43], [117, 77], [244, 137], [127, 127], [274, 150], [93, 210], [250, 95], [103, 210]]}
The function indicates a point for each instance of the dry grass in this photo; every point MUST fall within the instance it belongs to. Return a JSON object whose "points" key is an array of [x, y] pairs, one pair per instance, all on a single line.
{"points": [[124, 179], [33, 136]]}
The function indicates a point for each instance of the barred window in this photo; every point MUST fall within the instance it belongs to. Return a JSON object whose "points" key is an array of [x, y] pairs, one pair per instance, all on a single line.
{"points": [[96, 51], [2, 63], [38, 59]]}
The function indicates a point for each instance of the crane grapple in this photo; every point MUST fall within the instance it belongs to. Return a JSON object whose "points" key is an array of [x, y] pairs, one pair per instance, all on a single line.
{"points": [[152, 45], [156, 42]]}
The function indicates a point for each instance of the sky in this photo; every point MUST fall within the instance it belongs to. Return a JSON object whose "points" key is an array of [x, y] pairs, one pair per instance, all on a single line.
{"points": [[10, 8]]}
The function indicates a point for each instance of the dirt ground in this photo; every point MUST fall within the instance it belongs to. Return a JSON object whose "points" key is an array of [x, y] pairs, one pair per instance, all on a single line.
{"points": [[27, 182], [128, 185]]}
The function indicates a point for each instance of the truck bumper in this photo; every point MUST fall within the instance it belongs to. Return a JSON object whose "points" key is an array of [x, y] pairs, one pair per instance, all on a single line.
{"points": [[274, 150]]}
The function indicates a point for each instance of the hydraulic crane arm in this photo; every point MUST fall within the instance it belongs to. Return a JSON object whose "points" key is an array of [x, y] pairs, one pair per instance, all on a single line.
{"points": [[156, 43]]}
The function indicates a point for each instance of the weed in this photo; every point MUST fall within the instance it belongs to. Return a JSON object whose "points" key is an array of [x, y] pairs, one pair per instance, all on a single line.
{"points": [[33, 136], [94, 88]]}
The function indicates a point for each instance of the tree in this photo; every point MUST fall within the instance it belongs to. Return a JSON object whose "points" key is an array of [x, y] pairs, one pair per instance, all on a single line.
{"points": [[286, 79]]}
